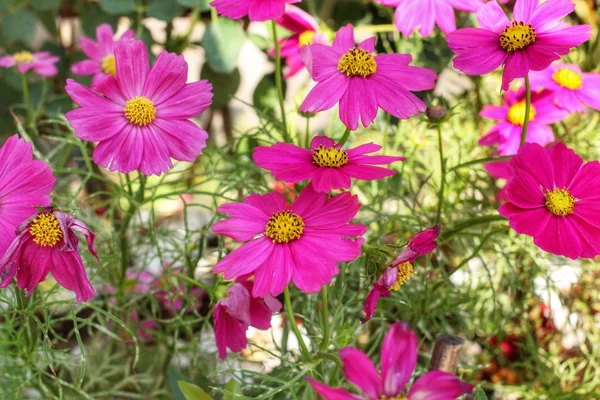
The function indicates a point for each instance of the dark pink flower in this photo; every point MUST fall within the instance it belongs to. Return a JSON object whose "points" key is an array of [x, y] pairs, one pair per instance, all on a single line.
{"points": [[25, 184], [101, 54], [398, 362], [425, 14], [401, 269], [572, 89], [256, 10], [42, 63], [142, 116], [361, 82], [302, 242], [553, 197], [47, 243], [535, 38], [325, 164], [236, 313], [511, 116], [305, 31]]}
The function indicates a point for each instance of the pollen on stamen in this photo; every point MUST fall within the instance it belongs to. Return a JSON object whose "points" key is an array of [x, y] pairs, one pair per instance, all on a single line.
{"points": [[516, 113], [45, 230], [23, 57], [568, 78], [284, 226], [517, 36], [109, 65], [560, 202], [329, 157], [357, 62], [405, 272], [140, 111]]}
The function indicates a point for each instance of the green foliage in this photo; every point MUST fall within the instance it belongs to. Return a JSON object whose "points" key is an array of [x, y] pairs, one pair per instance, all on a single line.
{"points": [[222, 42]]}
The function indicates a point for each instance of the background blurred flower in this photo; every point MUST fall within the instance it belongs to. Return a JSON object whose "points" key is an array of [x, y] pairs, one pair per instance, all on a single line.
{"points": [[42, 63], [256, 10]]}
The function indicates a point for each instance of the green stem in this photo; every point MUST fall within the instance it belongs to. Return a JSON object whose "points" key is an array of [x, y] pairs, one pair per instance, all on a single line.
{"points": [[278, 83], [292, 321], [484, 219], [307, 136], [375, 28], [123, 238], [527, 110], [139, 29], [442, 174], [26, 99], [344, 138], [325, 315]]}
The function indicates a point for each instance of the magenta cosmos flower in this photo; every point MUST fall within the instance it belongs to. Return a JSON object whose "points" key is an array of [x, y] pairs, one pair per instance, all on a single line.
{"points": [[101, 54], [25, 184], [425, 14], [398, 362], [141, 117], [302, 242], [256, 10], [362, 82], [239, 311], [553, 197], [325, 164], [535, 38], [572, 88], [42, 63], [511, 116], [401, 269], [47, 243], [305, 31]]}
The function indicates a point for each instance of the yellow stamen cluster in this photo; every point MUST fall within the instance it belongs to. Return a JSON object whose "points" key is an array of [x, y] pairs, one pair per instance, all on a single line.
{"points": [[140, 111], [306, 38], [357, 62], [23, 57], [516, 113], [560, 202], [284, 226], [405, 272], [517, 36], [332, 157], [46, 230], [399, 397], [109, 65], [568, 78]]}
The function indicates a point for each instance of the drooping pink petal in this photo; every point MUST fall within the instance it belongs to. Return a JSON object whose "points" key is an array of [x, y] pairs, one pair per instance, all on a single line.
{"points": [[330, 393], [398, 358], [359, 370], [438, 385]]}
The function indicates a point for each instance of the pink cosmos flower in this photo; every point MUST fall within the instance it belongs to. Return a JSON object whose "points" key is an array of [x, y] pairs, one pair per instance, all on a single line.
{"points": [[235, 314], [536, 37], [572, 88], [141, 118], [326, 164], [42, 63], [101, 54], [401, 269], [256, 10], [305, 31], [398, 362], [362, 82], [553, 197], [425, 14], [511, 116], [499, 170], [25, 184], [301, 243], [47, 243]]}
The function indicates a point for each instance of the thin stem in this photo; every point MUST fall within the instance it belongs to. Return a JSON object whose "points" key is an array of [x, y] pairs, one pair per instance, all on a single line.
{"points": [[442, 174], [292, 321], [307, 134], [124, 247], [527, 110], [344, 138], [139, 30], [325, 315], [375, 28], [278, 83], [26, 99]]}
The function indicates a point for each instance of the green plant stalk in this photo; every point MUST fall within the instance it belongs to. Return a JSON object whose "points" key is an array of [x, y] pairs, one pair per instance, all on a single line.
{"points": [[344, 138], [527, 110], [325, 315], [292, 320], [307, 135], [442, 174], [124, 247], [278, 83], [26, 99]]}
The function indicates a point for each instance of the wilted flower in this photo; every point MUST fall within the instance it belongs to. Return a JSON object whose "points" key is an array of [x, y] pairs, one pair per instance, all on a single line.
{"points": [[256, 10], [42, 63], [47, 243], [326, 164]]}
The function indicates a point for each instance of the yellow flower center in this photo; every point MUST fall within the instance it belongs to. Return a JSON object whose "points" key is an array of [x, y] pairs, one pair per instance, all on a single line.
{"points": [[109, 65], [284, 226], [306, 38], [560, 202], [517, 36], [140, 111], [516, 113], [46, 230], [331, 157], [357, 62], [405, 272], [23, 57], [399, 397], [567, 78]]}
